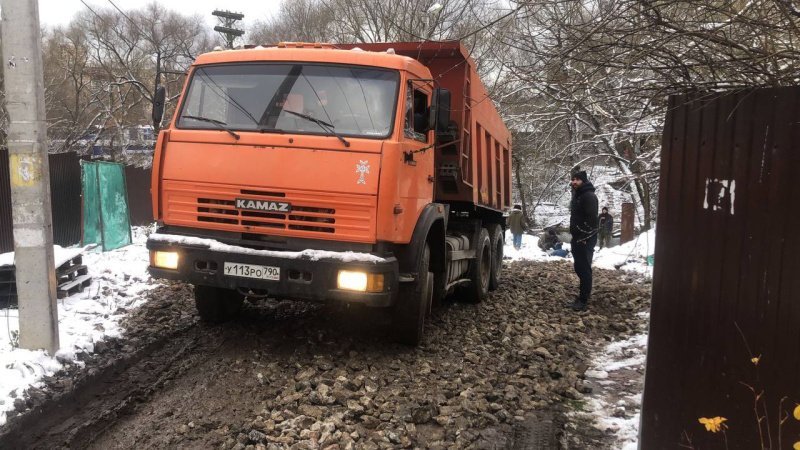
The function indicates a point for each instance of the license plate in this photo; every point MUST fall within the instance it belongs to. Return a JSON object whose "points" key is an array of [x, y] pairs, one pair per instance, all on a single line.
{"points": [[252, 271]]}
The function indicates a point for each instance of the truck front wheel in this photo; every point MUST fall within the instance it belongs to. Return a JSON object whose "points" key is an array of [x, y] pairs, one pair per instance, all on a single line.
{"points": [[217, 304], [413, 302]]}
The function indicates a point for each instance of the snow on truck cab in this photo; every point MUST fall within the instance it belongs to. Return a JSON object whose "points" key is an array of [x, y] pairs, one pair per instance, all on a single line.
{"points": [[373, 175]]}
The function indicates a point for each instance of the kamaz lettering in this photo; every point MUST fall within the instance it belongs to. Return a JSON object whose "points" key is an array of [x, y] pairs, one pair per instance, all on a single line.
{"points": [[258, 205]]}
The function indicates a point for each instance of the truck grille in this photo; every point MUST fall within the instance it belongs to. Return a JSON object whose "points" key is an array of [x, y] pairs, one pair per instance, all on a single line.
{"points": [[224, 211], [312, 214]]}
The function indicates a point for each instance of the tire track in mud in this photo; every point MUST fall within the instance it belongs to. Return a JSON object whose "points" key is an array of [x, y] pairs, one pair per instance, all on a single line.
{"points": [[78, 417]]}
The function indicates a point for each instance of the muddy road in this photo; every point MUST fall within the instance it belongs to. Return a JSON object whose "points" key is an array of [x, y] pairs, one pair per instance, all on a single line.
{"points": [[498, 374]]}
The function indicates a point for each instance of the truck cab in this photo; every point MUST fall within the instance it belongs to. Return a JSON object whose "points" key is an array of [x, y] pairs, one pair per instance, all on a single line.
{"points": [[303, 171]]}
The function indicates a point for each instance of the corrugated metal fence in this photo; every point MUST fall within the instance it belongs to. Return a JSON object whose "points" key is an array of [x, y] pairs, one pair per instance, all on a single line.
{"points": [[65, 188], [140, 203], [726, 291], [6, 224], [65, 194]]}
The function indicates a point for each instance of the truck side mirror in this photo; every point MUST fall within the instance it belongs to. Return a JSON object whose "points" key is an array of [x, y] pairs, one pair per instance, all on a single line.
{"points": [[440, 110], [158, 105]]}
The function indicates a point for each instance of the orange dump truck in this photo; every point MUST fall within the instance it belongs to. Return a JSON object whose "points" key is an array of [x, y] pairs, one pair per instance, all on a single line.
{"points": [[373, 174]]}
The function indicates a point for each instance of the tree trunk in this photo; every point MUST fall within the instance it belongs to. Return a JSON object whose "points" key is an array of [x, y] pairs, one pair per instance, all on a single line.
{"points": [[520, 190], [157, 126]]}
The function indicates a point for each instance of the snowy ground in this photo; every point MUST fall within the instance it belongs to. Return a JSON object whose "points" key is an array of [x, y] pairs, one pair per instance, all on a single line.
{"points": [[617, 374], [618, 379], [118, 277], [629, 257]]}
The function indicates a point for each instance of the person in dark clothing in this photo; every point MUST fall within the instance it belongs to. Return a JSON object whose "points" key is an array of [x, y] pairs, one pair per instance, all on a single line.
{"points": [[606, 226], [517, 225], [583, 227], [548, 240]]}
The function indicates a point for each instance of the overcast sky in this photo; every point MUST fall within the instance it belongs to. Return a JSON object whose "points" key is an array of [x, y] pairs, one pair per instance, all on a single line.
{"points": [[60, 12]]}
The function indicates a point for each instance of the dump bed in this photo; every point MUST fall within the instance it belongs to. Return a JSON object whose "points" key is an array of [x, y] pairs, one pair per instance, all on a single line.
{"points": [[475, 168]]}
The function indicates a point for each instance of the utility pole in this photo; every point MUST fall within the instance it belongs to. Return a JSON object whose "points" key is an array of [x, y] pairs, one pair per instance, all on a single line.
{"points": [[227, 20], [30, 175]]}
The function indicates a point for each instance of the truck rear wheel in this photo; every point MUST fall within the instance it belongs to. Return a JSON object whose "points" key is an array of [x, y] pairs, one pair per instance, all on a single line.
{"points": [[217, 304], [413, 303], [496, 237], [480, 270]]}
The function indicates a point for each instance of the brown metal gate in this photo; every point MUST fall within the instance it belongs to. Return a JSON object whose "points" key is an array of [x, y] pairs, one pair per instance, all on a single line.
{"points": [[65, 194], [65, 191], [6, 221], [140, 202], [726, 291]]}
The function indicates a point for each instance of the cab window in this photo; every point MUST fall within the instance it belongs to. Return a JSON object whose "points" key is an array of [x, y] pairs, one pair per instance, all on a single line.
{"points": [[416, 118]]}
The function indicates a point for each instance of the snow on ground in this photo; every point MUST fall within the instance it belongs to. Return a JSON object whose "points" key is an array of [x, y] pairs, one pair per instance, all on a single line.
{"points": [[630, 256], [529, 250], [118, 277], [617, 375]]}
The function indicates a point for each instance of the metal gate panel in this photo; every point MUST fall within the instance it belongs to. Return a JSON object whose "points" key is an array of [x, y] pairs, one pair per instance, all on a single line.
{"points": [[65, 191], [726, 295], [6, 221]]}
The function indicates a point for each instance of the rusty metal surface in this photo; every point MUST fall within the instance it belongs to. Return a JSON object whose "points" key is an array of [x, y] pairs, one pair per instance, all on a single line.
{"points": [[726, 292], [65, 189], [65, 192], [626, 223], [140, 203], [6, 224]]}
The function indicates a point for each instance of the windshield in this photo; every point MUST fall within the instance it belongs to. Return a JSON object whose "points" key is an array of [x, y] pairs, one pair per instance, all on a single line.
{"points": [[301, 98]]}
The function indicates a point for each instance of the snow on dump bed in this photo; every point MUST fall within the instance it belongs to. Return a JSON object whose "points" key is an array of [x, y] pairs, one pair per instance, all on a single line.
{"points": [[118, 279], [312, 255]]}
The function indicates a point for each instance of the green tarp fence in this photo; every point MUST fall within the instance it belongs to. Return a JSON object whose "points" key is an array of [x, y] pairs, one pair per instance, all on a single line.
{"points": [[106, 217]]}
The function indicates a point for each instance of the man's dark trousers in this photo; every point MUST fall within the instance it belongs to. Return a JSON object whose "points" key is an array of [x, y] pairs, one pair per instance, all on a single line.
{"points": [[582, 253]]}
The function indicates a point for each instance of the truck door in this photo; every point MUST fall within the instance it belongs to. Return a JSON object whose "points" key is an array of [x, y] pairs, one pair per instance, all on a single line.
{"points": [[417, 170]]}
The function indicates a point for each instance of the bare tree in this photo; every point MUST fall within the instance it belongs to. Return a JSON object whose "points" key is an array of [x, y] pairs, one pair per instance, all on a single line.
{"points": [[297, 21], [144, 49], [590, 79], [102, 71]]}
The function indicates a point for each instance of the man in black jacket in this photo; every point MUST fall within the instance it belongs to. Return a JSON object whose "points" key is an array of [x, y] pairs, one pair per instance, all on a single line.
{"points": [[583, 227], [606, 228]]}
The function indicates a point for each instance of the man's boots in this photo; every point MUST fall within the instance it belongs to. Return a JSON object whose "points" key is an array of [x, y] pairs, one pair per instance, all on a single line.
{"points": [[577, 305]]}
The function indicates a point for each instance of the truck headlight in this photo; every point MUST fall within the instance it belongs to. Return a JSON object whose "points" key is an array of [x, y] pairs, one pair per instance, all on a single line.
{"points": [[164, 260], [351, 280]]}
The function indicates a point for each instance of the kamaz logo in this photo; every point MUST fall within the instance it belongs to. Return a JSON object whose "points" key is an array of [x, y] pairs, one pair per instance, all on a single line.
{"points": [[258, 205]]}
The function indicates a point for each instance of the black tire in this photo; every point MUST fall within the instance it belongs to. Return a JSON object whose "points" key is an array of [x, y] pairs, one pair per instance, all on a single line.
{"points": [[217, 305], [413, 303], [480, 270], [496, 238]]}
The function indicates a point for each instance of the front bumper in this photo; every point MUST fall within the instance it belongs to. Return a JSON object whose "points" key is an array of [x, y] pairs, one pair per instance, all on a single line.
{"points": [[306, 277]]}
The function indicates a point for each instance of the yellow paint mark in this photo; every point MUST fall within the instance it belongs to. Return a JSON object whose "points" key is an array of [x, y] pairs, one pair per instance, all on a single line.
{"points": [[26, 170]]}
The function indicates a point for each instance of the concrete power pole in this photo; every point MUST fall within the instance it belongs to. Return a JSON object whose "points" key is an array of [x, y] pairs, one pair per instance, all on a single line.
{"points": [[30, 175]]}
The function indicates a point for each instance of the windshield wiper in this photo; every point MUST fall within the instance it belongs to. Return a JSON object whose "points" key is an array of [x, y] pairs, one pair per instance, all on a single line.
{"points": [[322, 124], [222, 125]]}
